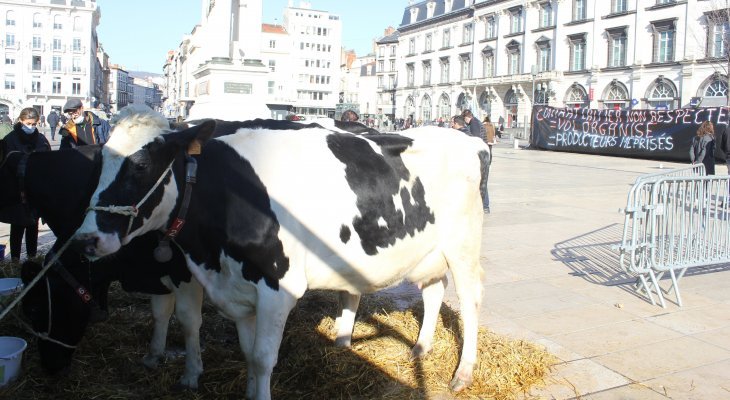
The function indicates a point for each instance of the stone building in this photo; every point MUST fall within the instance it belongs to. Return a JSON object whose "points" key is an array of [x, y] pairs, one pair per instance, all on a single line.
{"points": [[501, 57]]}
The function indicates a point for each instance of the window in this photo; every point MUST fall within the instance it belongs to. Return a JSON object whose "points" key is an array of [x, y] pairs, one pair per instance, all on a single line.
{"points": [[465, 60], [718, 34], [381, 66], [446, 39], [10, 40], [515, 20], [36, 43], [57, 44], [427, 72], [391, 83], [412, 46], [488, 62], [57, 22], [428, 44], [543, 55], [513, 58], [444, 109], [56, 63], [35, 85], [392, 51], [76, 87], [76, 64], [272, 44], [411, 74], [426, 108], [577, 52], [272, 65], [77, 44], [619, 6], [56, 86], [490, 27], [380, 82], [36, 63], [37, 22], [10, 18], [617, 97], [9, 59], [9, 82], [272, 86], [78, 26], [444, 63], [382, 51], [577, 97], [579, 10], [546, 15], [617, 47], [665, 1], [392, 66], [468, 35], [718, 88], [663, 41], [662, 95]]}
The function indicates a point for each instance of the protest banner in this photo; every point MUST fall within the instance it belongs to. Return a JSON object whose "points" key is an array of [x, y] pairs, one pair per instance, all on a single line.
{"points": [[650, 134]]}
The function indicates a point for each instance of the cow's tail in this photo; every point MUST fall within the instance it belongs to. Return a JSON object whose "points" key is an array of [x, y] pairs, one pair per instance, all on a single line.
{"points": [[484, 161]]}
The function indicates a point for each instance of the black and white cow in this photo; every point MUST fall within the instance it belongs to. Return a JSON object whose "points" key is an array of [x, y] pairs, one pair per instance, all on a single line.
{"points": [[59, 185], [276, 212]]}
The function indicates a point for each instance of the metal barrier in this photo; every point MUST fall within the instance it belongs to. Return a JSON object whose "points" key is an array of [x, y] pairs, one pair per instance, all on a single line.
{"points": [[637, 241]]}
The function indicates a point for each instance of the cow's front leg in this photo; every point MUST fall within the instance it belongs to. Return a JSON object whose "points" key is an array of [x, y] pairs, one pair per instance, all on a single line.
{"points": [[162, 307], [345, 321], [272, 310], [433, 297], [188, 310]]}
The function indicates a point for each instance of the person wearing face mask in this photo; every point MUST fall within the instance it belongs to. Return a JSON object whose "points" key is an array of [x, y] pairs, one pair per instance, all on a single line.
{"points": [[83, 127], [24, 138]]}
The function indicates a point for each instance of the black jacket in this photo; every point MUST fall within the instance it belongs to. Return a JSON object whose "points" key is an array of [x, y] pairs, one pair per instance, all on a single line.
{"points": [[17, 140]]}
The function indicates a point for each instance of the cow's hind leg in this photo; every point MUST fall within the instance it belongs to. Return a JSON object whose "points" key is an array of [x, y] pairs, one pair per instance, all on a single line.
{"points": [[246, 328], [433, 297], [162, 307], [467, 282], [345, 321], [188, 310]]}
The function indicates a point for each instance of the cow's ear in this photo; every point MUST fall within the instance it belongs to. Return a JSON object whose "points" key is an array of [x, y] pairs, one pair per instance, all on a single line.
{"points": [[194, 137]]}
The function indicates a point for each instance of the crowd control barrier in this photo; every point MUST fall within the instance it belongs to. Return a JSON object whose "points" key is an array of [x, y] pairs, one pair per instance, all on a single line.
{"points": [[674, 220]]}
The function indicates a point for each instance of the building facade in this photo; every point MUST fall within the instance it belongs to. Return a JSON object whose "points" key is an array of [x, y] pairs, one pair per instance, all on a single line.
{"points": [[501, 57], [50, 54], [120, 89], [387, 73], [316, 38]]}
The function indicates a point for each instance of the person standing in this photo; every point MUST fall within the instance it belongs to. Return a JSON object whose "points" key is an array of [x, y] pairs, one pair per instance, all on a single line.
{"points": [[703, 147], [83, 127], [24, 138], [53, 120], [476, 129]]}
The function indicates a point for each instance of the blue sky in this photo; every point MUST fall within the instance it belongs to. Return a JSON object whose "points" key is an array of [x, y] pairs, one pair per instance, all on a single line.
{"points": [[138, 33]]}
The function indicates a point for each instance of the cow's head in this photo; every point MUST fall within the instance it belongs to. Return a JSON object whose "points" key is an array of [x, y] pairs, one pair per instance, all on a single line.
{"points": [[55, 310], [137, 189]]}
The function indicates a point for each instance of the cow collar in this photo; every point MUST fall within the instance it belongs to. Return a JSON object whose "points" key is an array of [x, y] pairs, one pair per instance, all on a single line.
{"points": [[163, 253]]}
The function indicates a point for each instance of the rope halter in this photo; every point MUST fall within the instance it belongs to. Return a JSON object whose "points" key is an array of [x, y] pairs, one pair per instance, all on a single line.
{"points": [[133, 211]]}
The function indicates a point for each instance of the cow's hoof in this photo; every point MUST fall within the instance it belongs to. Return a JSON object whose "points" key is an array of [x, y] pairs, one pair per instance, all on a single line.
{"points": [[151, 361], [458, 384], [419, 351]]}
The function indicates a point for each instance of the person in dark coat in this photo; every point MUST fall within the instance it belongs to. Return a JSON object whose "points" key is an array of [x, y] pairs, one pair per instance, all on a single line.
{"points": [[83, 127], [476, 129], [24, 138], [703, 147], [53, 120]]}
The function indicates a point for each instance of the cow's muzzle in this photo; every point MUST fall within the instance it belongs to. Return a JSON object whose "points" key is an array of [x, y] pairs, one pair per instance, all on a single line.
{"points": [[86, 244]]}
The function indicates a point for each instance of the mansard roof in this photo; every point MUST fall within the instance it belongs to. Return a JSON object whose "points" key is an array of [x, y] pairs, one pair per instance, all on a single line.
{"points": [[439, 11]]}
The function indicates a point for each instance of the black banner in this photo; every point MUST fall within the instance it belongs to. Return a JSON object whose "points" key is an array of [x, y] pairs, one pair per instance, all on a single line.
{"points": [[651, 134]]}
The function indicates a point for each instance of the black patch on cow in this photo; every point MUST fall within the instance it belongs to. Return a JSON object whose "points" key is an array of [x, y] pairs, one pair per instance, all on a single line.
{"points": [[230, 212], [223, 128], [376, 179], [355, 127], [345, 234]]}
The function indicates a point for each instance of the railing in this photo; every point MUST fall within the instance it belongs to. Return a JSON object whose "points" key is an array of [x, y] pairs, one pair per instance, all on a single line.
{"points": [[675, 220]]}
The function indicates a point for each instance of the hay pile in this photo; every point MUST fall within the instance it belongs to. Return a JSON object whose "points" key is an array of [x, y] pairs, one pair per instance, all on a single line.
{"points": [[107, 364]]}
